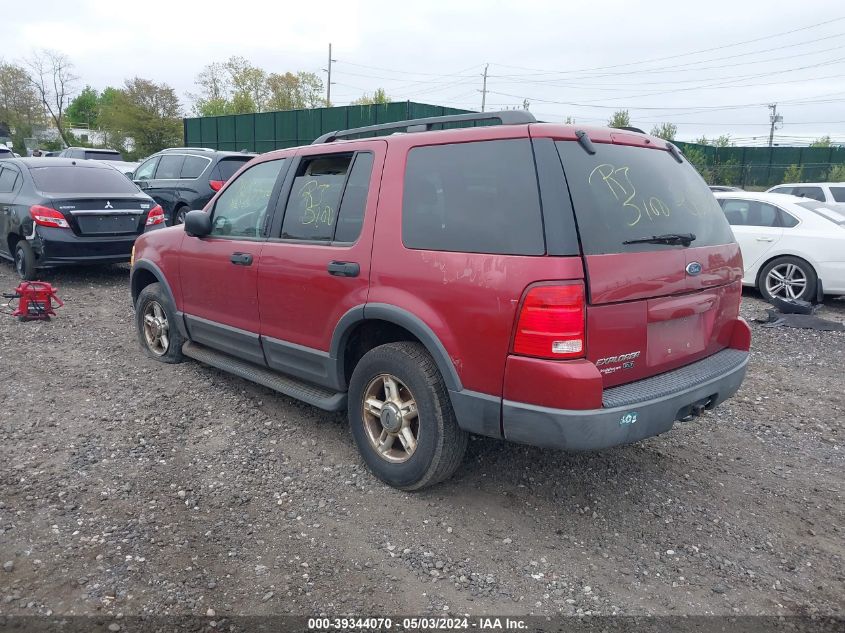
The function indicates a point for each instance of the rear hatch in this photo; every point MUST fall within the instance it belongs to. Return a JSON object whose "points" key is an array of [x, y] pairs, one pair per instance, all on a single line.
{"points": [[653, 306], [96, 200]]}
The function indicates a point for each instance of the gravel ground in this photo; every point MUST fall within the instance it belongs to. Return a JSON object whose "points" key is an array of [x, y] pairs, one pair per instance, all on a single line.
{"points": [[131, 487]]}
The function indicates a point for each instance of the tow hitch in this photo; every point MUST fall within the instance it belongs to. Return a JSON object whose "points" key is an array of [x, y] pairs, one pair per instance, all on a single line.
{"points": [[696, 409]]}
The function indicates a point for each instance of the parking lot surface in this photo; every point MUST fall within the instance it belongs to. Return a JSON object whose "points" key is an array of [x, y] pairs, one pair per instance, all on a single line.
{"points": [[131, 487]]}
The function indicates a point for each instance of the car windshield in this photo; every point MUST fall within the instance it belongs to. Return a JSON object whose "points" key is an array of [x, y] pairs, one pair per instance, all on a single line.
{"points": [[95, 155], [833, 212], [624, 195], [78, 179]]}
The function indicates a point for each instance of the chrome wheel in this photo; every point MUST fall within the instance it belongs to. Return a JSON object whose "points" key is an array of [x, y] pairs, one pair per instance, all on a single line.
{"points": [[156, 328], [180, 215], [391, 420], [787, 281]]}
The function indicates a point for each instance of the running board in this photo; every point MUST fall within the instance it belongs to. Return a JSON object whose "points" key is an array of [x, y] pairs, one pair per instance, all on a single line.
{"points": [[320, 397]]}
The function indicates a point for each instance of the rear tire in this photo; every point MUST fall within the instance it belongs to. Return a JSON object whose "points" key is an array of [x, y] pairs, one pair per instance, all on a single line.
{"points": [[788, 277], [179, 215], [402, 419], [25, 260], [155, 321]]}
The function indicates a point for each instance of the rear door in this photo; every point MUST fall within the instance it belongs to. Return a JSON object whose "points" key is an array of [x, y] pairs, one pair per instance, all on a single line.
{"points": [[755, 225], [316, 265], [657, 306], [218, 272], [10, 182], [165, 184]]}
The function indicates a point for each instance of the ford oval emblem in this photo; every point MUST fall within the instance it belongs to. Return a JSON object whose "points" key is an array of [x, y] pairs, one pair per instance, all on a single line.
{"points": [[693, 268]]}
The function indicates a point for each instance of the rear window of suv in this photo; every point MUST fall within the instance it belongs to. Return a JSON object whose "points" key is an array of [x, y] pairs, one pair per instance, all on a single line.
{"points": [[625, 193], [473, 198], [95, 155], [81, 180], [227, 167]]}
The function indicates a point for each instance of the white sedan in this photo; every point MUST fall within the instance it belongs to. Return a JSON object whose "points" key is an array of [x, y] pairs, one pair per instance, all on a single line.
{"points": [[792, 248]]}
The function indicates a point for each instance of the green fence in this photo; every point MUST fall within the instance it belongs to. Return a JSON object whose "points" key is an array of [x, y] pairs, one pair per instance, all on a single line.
{"points": [[266, 131], [762, 166]]}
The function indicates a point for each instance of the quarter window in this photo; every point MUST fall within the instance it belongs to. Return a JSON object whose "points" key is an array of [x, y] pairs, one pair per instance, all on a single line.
{"points": [[477, 197], [7, 179], [242, 209], [838, 193]]}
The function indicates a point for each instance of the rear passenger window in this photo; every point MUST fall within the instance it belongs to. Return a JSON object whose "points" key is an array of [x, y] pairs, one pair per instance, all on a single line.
{"points": [[750, 213], [784, 190], [169, 167], [312, 207], [350, 217], [473, 197], [838, 193], [787, 220], [193, 166], [7, 180], [814, 193]]}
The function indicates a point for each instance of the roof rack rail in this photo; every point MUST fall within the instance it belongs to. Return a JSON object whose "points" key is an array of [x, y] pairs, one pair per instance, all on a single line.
{"points": [[629, 128], [506, 117], [202, 149]]}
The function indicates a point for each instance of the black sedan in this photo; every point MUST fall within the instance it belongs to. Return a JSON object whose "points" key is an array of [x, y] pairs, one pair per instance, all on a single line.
{"points": [[57, 211]]}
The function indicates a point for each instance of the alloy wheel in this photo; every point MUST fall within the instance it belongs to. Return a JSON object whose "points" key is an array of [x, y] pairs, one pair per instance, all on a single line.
{"points": [[156, 328], [786, 280], [391, 419]]}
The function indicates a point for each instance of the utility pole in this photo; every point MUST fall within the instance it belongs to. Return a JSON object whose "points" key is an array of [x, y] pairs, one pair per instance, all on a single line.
{"points": [[328, 70], [484, 89], [774, 118]]}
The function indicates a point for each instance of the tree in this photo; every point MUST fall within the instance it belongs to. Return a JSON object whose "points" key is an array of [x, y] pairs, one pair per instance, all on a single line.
{"points": [[824, 141], [147, 112], [311, 89], [698, 159], [377, 98], [85, 108], [721, 141], [665, 131], [248, 83], [620, 118], [51, 74], [295, 92], [19, 103], [836, 174], [793, 173]]}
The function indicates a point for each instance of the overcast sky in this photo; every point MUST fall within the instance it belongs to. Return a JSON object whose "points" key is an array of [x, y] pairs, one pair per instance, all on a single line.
{"points": [[710, 70]]}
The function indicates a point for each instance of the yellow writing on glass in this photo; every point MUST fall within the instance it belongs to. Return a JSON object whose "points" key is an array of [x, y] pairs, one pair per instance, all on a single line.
{"points": [[314, 210], [618, 181]]}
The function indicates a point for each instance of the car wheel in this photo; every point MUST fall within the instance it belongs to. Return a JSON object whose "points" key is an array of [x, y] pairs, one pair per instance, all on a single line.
{"points": [[155, 320], [402, 419], [179, 216], [788, 278], [25, 260]]}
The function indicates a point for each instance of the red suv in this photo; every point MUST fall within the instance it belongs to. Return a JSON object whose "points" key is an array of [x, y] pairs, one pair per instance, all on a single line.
{"points": [[546, 284]]}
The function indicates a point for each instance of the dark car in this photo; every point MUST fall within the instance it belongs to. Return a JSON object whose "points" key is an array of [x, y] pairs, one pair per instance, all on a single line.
{"points": [[57, 211], [185, 178], [561, 286]]}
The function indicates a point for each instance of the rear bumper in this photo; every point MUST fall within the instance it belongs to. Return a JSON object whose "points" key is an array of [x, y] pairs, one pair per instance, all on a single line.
{"points": [[631, 412], [60, 246]]}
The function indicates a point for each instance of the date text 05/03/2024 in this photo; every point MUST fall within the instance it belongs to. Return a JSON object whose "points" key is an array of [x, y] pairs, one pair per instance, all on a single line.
{"points": [[417, 624]]}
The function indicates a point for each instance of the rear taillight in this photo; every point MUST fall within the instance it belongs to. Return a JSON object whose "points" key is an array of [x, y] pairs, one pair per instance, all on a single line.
{"points": [[155, 216], [45, 216], [551, 322], [216, 185]]}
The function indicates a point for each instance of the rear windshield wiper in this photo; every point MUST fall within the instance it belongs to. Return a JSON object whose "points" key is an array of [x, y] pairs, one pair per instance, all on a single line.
{"points": [[684, 239]]}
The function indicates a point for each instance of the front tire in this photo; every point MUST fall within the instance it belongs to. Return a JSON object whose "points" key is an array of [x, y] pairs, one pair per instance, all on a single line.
{"points": [[155, 321], [25, 261], [788, 278], [402, 419]]}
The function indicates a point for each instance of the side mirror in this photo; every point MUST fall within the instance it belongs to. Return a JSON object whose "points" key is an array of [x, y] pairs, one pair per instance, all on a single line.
{"points": [[197, 223]]}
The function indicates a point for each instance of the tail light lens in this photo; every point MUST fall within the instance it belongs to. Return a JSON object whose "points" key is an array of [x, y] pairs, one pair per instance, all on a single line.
{"points": [[45, 216], [155, 216], [551, 322], [216, 185]]}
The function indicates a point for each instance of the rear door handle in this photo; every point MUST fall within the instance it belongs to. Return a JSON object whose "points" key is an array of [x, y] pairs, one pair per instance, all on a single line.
{"points": [[765, 239], [344, 269], [241, 259]]}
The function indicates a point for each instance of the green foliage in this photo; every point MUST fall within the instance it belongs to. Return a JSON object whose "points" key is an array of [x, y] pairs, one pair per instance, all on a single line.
{"points": [[836, 174], [19, 102], [377, 98], [824, 141], [237, 87], [84, 109], [147, 112], [665, 131], [620, 118], [698, 159], [721, 141], [728, 172], [793, 173]]}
